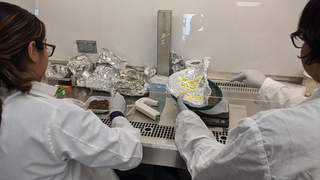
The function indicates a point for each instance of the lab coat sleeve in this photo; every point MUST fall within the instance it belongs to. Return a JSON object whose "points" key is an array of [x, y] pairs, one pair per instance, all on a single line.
{"points": [[242, 157], [121, 122], [80, 135], [273, 94]]}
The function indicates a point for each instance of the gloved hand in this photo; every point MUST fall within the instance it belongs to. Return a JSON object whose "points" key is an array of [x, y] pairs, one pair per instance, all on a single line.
{"points": [[251, 78], [180, 105], [117, 103]]}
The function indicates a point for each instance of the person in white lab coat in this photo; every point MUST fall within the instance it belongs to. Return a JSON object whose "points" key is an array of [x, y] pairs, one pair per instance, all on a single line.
{"points": [[281, 143], [42, 137]]}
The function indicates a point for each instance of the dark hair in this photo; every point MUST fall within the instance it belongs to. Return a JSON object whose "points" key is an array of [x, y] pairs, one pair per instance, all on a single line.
{"points": [[309, 30], [18, 28]]}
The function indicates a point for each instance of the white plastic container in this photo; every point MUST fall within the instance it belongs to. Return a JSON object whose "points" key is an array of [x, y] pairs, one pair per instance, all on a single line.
{"points": [[192, 63], [92, 98]]}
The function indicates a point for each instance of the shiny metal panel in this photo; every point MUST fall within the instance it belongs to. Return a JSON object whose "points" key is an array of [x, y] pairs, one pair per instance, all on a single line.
{"points": [[163, 157]]}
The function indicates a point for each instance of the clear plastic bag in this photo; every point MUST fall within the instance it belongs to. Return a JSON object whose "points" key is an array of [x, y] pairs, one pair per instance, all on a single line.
{"points": [[193, 83]]}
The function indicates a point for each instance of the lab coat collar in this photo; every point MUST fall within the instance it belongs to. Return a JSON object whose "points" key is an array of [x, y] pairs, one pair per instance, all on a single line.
{"points": [[44, 88], [315, 95]]}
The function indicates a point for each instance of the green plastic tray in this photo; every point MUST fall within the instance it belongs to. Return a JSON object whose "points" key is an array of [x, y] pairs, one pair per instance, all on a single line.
{"points": [[218, 94]]}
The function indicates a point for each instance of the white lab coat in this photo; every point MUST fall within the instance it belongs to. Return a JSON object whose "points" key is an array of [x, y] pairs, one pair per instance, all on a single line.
{"points": [[276, 144], [42, 137], [273, 94]]}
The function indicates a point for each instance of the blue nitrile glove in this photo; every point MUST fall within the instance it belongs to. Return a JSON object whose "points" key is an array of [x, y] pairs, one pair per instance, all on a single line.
{"points": [[117, 105], [251, 78], [180, 105]]}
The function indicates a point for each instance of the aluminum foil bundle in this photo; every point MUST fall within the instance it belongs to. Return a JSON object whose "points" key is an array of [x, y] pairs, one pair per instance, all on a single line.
{"points": [[177, 62], [150, 70], [50, 72], [193, 83], [60, 69], [103, 78], [81, 67], [131, 82], [107, 56]]}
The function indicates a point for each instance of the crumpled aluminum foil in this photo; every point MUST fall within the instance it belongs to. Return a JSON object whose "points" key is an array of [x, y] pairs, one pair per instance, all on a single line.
{"points": [[127, 81], [193, 83], [103, 78], [110, 74], [60, 69], [177, 61], [150, 70], [131, 82], [56, 70], [50, 72], [81, 67], [107, 56]]}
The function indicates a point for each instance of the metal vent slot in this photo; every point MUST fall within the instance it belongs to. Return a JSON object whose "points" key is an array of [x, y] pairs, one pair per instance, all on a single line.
{"points": [[166, 132], [235, 86], [106, 122]]}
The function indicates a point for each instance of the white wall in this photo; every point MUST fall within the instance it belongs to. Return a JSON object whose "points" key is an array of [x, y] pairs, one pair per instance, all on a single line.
{"points": [[236, 37], [26, 4]]}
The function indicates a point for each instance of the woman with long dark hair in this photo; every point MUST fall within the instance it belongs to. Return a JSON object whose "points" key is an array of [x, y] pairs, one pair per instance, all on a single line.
{"points": [[42, 137]]}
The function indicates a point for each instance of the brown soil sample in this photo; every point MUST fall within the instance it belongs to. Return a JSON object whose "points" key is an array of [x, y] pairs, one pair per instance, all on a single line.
{"points": [[99, 104], [213, 100]]}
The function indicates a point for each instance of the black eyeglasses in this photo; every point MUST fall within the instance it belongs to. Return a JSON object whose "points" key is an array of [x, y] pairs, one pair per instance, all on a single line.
{"points": [[296, 39], [50, 49]]}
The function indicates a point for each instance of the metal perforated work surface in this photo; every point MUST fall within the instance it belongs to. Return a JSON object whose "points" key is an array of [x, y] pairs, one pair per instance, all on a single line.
{"points": [[166, 132], [221, 136]]}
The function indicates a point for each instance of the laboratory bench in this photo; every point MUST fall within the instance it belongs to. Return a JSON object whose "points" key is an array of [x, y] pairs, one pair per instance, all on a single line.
{"points": [[157, 136]]}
